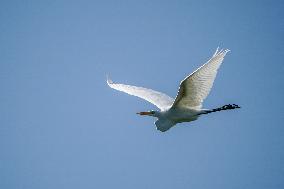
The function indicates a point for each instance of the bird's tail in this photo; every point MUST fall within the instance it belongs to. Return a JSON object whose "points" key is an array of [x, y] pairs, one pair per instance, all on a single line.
{"points": [[225, 107]]}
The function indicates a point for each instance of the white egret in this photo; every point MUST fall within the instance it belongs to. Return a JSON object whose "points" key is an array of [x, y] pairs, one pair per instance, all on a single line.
{"points": [[187, 106]]}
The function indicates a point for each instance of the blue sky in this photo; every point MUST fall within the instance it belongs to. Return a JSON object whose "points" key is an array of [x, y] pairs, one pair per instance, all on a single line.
{"points": [[61, 126]]}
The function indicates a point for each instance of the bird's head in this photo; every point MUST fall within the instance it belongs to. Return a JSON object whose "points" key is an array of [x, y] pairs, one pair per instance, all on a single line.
{"points": [[149, 113]]}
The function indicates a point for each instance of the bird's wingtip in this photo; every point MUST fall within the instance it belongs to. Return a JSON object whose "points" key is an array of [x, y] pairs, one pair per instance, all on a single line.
{"points": [[109, 81], [216, 52], [222, 51]]}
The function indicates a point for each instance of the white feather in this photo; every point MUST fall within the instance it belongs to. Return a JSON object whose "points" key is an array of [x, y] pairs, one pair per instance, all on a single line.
{"points": [[196, 87], [161, 100]]}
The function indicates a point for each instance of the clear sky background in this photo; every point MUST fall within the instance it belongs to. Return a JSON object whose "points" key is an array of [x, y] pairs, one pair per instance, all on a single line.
{"points": [[61, 126]]}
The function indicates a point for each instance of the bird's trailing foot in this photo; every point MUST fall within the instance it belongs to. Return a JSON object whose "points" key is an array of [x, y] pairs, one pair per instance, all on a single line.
{"points": [[225, 107], [230, 106]]}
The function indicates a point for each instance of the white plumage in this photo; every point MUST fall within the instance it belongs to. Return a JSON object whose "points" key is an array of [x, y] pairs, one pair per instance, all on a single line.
{"points": [[187, 105], [195, 87], [161, 100]]}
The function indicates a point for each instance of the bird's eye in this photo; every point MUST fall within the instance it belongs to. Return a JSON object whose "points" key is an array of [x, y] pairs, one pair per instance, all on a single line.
{"points": [[152, 112]]}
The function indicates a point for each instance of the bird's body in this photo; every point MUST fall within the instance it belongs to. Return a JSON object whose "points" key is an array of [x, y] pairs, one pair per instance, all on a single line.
{"points": [[172, 116], [179, 115], [187, 106]]}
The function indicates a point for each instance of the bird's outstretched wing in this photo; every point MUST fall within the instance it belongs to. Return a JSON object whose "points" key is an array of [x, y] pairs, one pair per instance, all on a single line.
{"points": [[195, 87], [161, 100]]}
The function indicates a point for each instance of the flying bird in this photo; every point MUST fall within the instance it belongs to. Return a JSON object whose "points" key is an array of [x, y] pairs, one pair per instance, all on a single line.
{"points": [[187, 106]]}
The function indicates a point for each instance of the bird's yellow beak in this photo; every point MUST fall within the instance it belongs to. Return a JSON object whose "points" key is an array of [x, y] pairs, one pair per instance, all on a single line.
{"points": [[144, 113]]}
